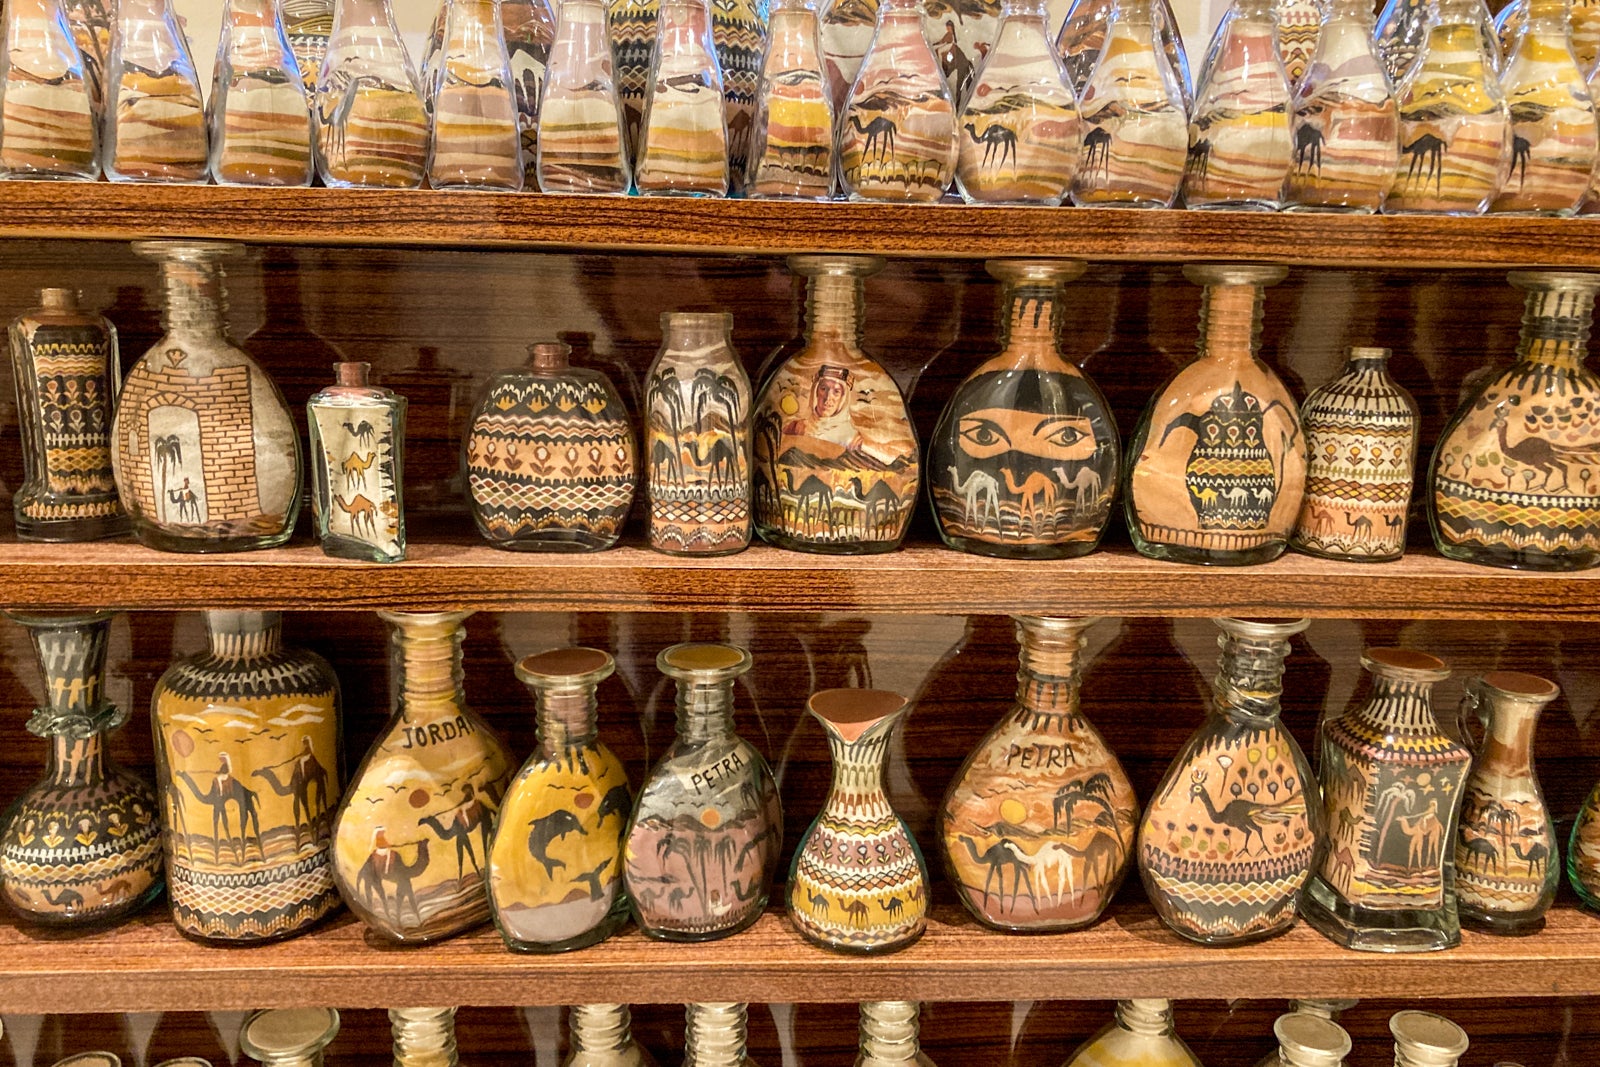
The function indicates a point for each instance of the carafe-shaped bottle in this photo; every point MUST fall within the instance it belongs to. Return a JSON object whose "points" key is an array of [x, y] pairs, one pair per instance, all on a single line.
{"points": [[1423, 1039], [47, 100], [1025, 458], [835, 451], [1142, 1033], [791, 149], [1391, 785], [1512, 483], [581, 144], [1299, 25], [555, 879], [259, 121], [847, 31], [288, 1037], [683, 142], [411, 842], [1307, 1040], [714, 1035], [897, 133], [206, 454], [475, 138], [1083, 34], [858, 883], [1020, 137], [1239, 146], [1042, 794], [1229, 837], [1217, 466], [602, 1036], [1135, 116], [1455, 129], [66, 370], [248, 768], [155, 122], [890, 1034], [358, 433], [372, 126], [424, 1037], [712, 794], [530, 30], [83, 845], [1507, 865], [1402, 35], [1361, 448], [1553, 133], [308, 25], [1346, 120]]}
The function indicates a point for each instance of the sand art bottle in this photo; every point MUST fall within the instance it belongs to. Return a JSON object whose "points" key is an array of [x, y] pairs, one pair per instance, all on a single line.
{"points": [[683, 141], [155, 123], [791, 149], [1239, 131], [372, 127], [260, 126], [47, 106], [476, 139], [1083, 34], [530, 29], [1553, 134], [581, 144]]}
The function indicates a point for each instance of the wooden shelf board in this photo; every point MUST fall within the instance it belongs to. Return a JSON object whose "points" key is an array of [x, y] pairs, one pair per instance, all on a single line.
{"points": [[532, 221]]}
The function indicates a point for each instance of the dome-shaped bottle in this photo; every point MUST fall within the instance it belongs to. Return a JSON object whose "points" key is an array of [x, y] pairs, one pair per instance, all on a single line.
{"points": [[1239, 145]]}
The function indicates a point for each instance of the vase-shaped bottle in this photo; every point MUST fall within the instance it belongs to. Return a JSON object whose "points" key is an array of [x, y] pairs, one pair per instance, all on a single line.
{"points": [[1423, 1039], [81, 846], [1499, 487], [1020, 139], [1402, 35], [1217, 467], [1142, 1033], [858, 883], [714, 1035], [475, 133], [424, 1037], [288, 1037], [358, 435], [582, 148], [206, 455], [1507, 867], [1135, 116], [897, 132], [259, 121], [890, 1035], [1025, 459], [308, 25], [1392, 787], [1239, 145], [154, 129], [1083, 34], [832, 425], [1228, 839], [1042, 791], [1307, 1040], [1361, 455], [683, 140], [530, 30], [1553, 134], [47, 100], [791, 148], [255, 725], [602, 1036], [412, 836], [372, 125], [1583, 29]]}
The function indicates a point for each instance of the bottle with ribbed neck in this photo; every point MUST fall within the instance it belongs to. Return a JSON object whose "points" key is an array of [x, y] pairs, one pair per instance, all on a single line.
{"points": [[1553, 135], [582, 147], [475, 135], [372, 122], [289, 1037], [1217, 467], [1511, 483], [602, 1037], [831, 425], [791, 148], [47, 100], [424, 1037], [714, 1035], [1141, 1033], [1423, 1039], [1402, 35], [259, 120], [683, 135], [1392, 787], [1042, 788], [889, 1034], [155, 122], [1239, 145], [1083, 34]]}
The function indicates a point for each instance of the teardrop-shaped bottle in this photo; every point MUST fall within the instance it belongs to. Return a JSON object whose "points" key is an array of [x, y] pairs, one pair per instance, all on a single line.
{"points": [[961, 33], [1083, 34], [155, 120], [530, 29], [476, 138], [581, 143], [1142, 1033], [1239, 145], [714, 1035], [791, 150], [372, 127], [683, 142], [890, 1035], [260, 125], [1583, 852], [47, 103], [1553, 134], [1402, 34]]}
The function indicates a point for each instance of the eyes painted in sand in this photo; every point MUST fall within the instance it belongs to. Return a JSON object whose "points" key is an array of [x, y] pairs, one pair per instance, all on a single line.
{"points": [[992, 431]]}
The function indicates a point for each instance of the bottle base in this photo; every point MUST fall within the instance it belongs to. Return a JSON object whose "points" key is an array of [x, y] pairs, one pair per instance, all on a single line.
{"points": [[1369, 930], [1500, 923], [1065, 550], [829, 548], [1236, 205], [344, 548], [861, 950], [656, 933], [203, 545], [588, 938], [49, 176], [1518, 559], [565, 542], [1342, 557], [67, 530], [1205, 557], [1329, 209]]}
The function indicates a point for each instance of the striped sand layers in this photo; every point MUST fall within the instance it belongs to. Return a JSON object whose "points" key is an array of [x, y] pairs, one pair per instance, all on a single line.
{"points": [[266, 135], [1346, 124], [1136, 134], [1553, 133], [158, 128], [1239, 143], [791, 153], [48, 128], [1020, 135], [373, 135]]}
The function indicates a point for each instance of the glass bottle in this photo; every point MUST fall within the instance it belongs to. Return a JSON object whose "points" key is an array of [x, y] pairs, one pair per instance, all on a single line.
{"points": [[308, 25], [1042, 795], [288, 1037], [1455, 128], [1423, 1039], [1083, 34], [714, 1035], [358, 436], [739, 30], [602, 1037], [1229, 837], [1583, 852], [1025, 459], [559, 885], [248, 760], [1299, 24], [683, 142], [551, 457], [581, 143], [66, 370], [897, 133], [259, 121], [1553, 135], [705, 834], [155, 120], [1391, 785], [1361, 448], [411, 840], [1142, 1033], [1507, 866], [890, 1034], [1239, 146], [1402, 35], [90, 22], [1510, 503], [1346, 120], [433, 54], [632, 28], [1583, 29], [475, 138], [1307, 1040], [47, 104], [81, 846], [961, 35], [1135, 116], [791, 150], [206, 456], [1217, 466], [836, 466], [847, 29], [530, 30], [1026, 151], [372, 125], [858, 883], [424, 1037]]}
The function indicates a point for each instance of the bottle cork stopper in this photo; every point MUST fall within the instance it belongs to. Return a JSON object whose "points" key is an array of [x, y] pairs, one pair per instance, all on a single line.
{"points": [[58, 299], [549, 355], [352, 373]]}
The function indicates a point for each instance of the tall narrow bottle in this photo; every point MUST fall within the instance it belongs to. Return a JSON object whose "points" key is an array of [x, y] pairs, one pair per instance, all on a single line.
{"points": [[530, 29], [475, 139], [1553, 134], [47, 99], [1083, 34], [372, 127], [155, 121], [791, 149], [1423, 1039], [890, 1035], [1142, 1033], [91, 22], [582, 148], [357, 435], [715, 1034], [602, 1036], [259, 121], [683, 140], [424, 1037], [1239, 144]]}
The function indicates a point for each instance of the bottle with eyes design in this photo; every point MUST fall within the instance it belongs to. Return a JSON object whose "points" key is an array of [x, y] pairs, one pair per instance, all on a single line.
{"points": [[1024, 461]]}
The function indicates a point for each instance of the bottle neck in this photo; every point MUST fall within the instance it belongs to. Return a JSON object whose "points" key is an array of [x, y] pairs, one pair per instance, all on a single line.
{"points": [[76, 761], [1254, 11], [694, 336], [1047, 675], [1408, 1055], [714, 1035], [252, 12], [1547, 16], [133, 11], [1346, 12], [197, 298], [905, 12], [1298, 1056], [33, 12], [692, 16], [429, 658], [1137, 17], [600, 1028], [1555, 327], [1249, 679], [1150, 1018], [297, 1058], [1024, 11], [1032, 316], [858, 773], [1457, 13], [244, 635], [1402, 705], [1230, 323], [374, 14], [424, 1037], [889, 1032], [567, 718], [705, 711], [834, 305]]}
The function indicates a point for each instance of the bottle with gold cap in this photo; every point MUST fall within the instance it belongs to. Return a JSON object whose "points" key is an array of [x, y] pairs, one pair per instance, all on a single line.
{"points": [[424, 1037], [1308, 1040], [289, 1037], [1142, 1033], [1423, 1039], [602, 1036]]}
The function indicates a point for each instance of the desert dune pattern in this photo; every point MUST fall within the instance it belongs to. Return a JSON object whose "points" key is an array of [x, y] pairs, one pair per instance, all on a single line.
{"points": [[581, 146], [477, 135], [157, 125], [372, 128], [791, 154], [683, 149], [1553, 133], [1239, 144], [47, 126], [1346, 124], [1136, 134]]}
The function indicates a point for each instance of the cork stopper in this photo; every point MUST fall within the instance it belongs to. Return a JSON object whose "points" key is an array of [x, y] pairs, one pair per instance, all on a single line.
{"points": [[702, 662], [55, 299], [549, 355], [354, 374], [1365, 352], [565, 667]]}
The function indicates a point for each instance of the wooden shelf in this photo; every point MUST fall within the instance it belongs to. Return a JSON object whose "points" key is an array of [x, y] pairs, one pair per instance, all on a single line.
{"points": [[533, 220]]}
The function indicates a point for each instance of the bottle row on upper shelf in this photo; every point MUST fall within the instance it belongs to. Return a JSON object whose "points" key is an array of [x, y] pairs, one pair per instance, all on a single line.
{"points": [[683, 97]]}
